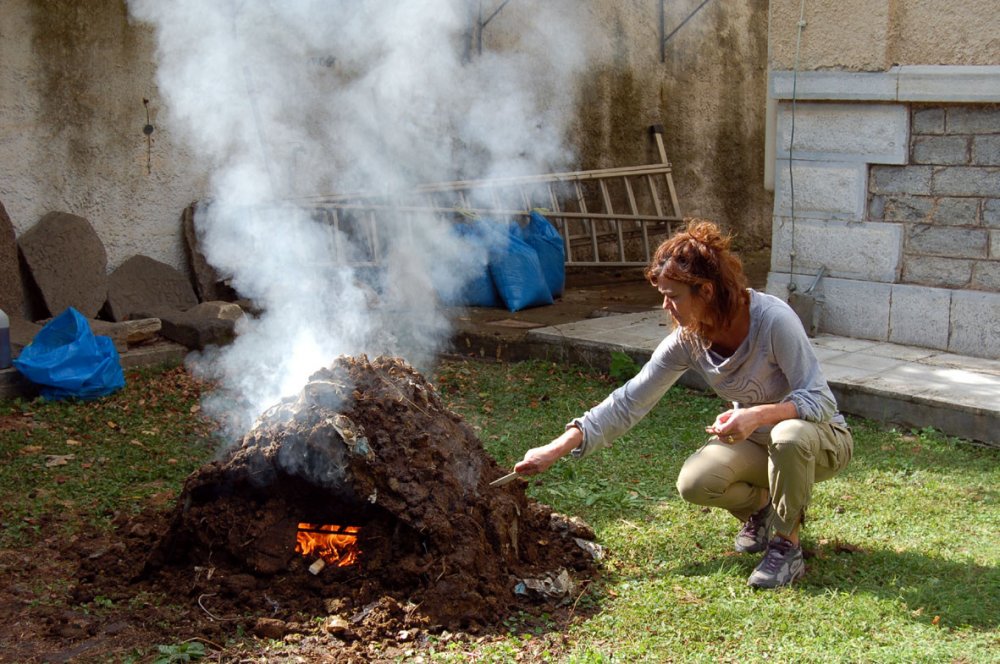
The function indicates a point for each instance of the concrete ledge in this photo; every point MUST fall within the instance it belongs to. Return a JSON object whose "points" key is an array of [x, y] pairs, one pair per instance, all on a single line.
{"points": [[908, 83], [917, 412]]}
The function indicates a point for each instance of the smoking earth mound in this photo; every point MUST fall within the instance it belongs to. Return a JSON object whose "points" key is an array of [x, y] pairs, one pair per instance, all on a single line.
{"points": [[369, 445]]}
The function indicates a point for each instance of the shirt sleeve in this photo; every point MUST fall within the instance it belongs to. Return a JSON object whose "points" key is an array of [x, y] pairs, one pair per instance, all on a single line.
{"points": [[628, 404], [795, 357]]}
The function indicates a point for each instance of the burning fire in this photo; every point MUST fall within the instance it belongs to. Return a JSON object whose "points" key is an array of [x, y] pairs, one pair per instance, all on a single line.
{"points": [[335, 545]]}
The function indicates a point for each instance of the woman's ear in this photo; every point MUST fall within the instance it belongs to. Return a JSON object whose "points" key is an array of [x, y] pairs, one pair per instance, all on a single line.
{"points": [[707, 292]]}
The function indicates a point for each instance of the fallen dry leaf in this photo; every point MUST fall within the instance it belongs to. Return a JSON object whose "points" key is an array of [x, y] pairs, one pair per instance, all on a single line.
{"points": [[53, 460], [73, 443], [31, 449]]}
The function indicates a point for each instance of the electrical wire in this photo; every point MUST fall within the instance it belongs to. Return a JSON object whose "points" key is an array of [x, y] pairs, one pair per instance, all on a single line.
{"points": [[791, 144]]}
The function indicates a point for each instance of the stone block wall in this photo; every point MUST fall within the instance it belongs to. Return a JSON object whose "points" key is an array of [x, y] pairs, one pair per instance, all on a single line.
{"points": [[889, 182], [947, 198]]}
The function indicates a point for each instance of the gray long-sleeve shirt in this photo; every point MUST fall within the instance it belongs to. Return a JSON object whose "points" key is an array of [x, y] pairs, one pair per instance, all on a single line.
{"points": [[775, 363]]}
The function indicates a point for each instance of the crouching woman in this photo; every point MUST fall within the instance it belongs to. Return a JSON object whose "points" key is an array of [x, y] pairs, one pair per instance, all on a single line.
{"points": [[782, 435]]}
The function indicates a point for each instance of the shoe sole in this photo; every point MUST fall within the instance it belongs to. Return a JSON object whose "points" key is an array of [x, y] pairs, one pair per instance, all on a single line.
{"points": [[795, 578]]}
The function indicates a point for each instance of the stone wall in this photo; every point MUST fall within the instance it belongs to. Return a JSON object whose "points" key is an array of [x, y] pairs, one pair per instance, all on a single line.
{"points": [[890, 184], [947, 198]]}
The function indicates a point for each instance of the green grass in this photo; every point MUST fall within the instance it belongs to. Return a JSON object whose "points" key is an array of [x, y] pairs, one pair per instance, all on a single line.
{"points": [[904, 542], [65, 463]]}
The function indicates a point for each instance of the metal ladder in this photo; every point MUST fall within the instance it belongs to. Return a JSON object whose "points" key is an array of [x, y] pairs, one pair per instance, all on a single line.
{"points": [[610, 217]]}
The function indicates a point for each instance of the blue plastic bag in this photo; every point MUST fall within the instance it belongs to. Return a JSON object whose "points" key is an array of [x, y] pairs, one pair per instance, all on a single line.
{"points": [[67, 360], [478, 290], [543, 237], [517, 273]]}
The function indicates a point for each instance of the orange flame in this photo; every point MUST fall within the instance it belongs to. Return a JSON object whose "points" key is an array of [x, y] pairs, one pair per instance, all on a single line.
{"points": [[336, 545]]}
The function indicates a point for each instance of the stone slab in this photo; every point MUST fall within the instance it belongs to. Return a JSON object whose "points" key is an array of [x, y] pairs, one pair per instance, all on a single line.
{"points": [[207, 282], [855, 308], [869, 133], [822, 190], [945, 83], [975, 324], [834, 85], [11, 289], [67, 262], [949, 83], [919, 316], [142, 284], [858, 250]]}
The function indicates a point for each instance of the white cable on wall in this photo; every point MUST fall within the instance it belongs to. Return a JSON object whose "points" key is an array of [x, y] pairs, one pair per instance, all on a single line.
{"points": [[791, 143]]}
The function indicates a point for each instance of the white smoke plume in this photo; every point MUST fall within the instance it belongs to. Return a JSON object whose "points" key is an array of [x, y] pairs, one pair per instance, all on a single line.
{"points": [[287, 99]]}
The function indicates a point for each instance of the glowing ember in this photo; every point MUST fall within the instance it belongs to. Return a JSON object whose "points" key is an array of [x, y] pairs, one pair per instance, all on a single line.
{"points": [[336, 545]]}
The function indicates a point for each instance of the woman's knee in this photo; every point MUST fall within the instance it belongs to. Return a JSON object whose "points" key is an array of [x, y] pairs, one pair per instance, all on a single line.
{"points": [[699, 484], [791, 431]]}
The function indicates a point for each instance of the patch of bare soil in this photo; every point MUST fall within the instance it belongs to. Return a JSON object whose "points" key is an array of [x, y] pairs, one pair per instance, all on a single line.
{"points": [[366, 444]]}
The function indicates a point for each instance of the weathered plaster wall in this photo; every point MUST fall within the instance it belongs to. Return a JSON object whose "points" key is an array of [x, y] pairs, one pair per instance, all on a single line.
{"points": [[73, 77], [866, 35], [709, 95]]}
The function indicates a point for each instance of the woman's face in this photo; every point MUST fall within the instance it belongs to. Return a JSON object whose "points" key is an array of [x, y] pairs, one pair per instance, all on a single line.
{"points": [[681, 301]]}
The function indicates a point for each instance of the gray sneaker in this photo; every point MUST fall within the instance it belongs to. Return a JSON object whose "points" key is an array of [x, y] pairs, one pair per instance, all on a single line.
{"points": [[781, 565], [756, 532]]}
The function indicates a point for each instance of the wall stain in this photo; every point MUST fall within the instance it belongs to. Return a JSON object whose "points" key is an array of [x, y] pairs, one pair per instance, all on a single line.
{"points": [[80, 49]]}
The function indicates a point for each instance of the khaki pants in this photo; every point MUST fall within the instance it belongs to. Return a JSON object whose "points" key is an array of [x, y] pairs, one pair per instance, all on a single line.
{"points": [[784, 463]]}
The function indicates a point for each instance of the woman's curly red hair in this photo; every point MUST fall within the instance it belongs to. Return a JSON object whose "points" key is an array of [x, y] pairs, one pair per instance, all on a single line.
{"points": [[699, 254]]}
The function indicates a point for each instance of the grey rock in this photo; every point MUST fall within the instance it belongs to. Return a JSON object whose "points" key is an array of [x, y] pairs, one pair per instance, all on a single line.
{"points": [[986, 151], [22, 332], [941, 150], [966, 181], [207, 281], [901, 179], [949, 242], [142, 283], [67, 262], [973, 120], [928, 121], [207, 324]]}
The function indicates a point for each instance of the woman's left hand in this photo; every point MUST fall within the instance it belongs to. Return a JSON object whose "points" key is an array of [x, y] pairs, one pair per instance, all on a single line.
{"points": [[732, 426]]}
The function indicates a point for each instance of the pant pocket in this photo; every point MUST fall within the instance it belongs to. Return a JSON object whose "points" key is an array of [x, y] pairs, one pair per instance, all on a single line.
{"points": [[837, 448]]}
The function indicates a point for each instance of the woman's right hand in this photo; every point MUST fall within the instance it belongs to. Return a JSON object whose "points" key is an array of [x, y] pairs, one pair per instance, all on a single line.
{"points": [[539, 459]]}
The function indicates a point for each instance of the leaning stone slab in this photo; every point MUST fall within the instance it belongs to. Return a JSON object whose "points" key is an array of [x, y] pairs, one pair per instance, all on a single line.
{"points": [[142, 283], [67, 262], [207, 324], [207, 282], [11, 293]]}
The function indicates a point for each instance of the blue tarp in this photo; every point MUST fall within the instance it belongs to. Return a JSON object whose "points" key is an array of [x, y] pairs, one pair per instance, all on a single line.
{"points": [[66, 360]]}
